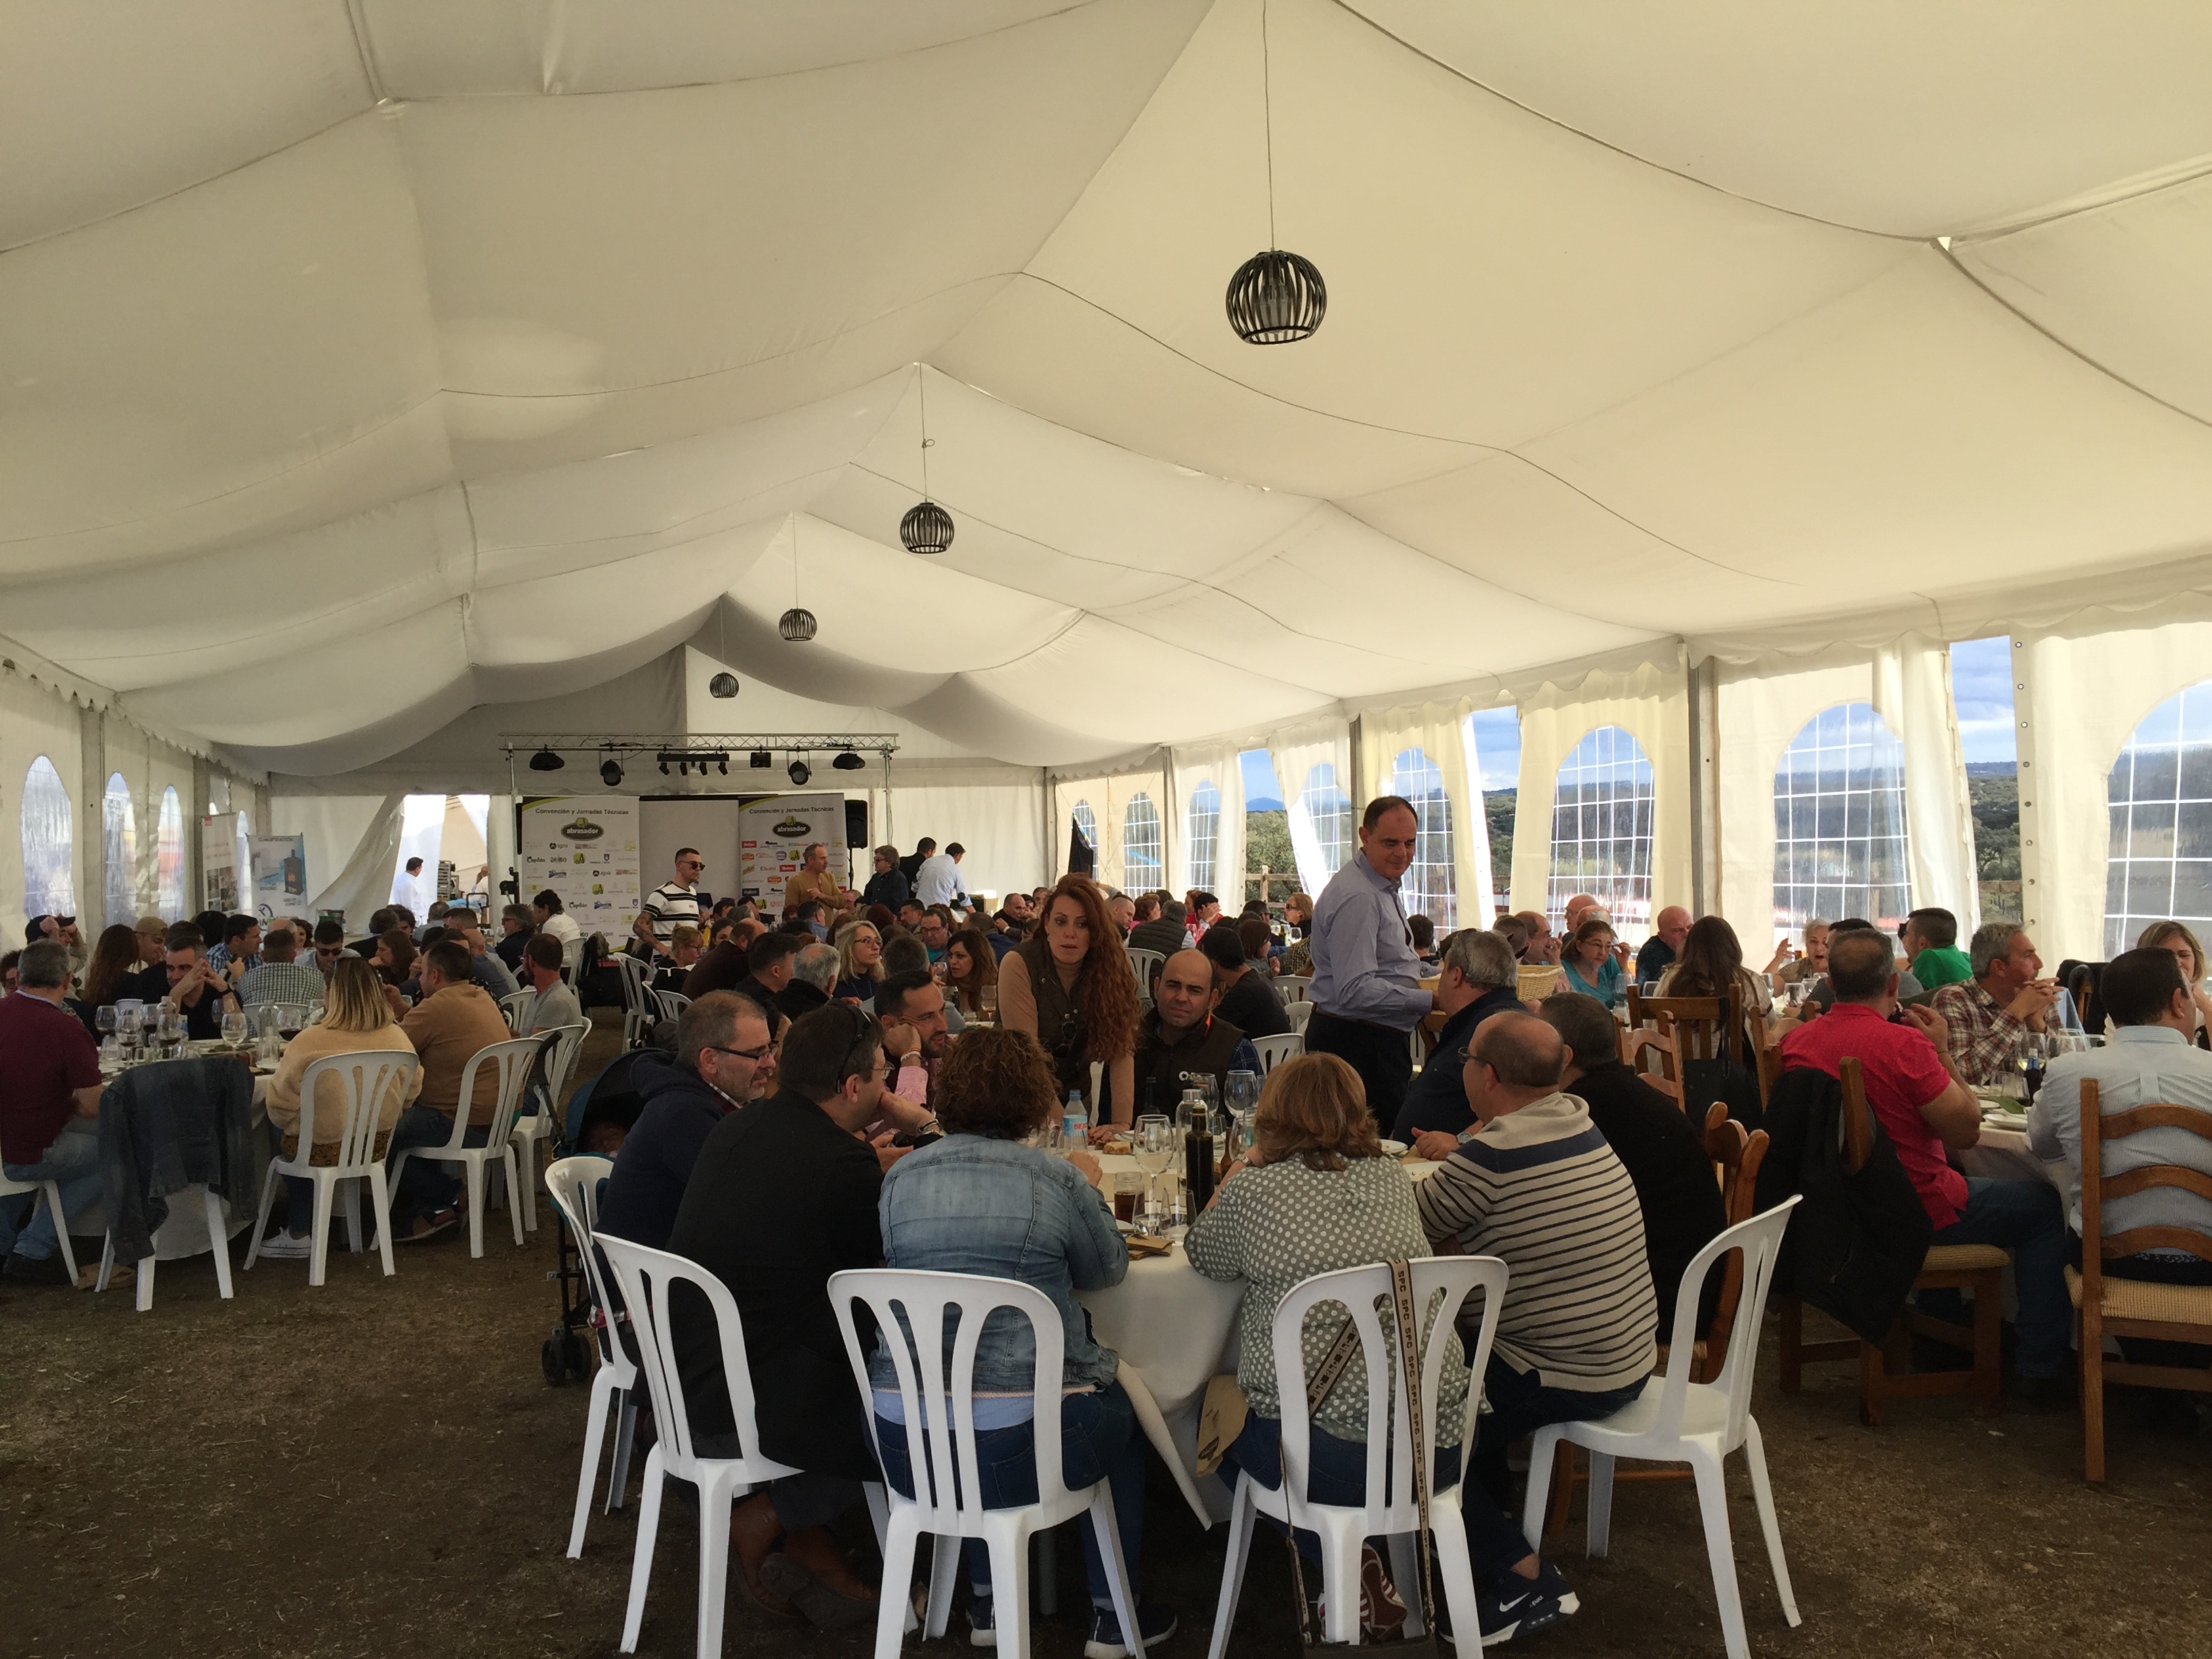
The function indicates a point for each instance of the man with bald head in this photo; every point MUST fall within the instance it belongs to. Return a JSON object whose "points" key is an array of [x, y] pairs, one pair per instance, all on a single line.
{"points": [[1537, 1186], [1668, 929], [1180, 1035]]}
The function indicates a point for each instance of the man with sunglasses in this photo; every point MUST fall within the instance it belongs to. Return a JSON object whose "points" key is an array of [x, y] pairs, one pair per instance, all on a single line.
{"points": [[723, 1059], [673, 902]]}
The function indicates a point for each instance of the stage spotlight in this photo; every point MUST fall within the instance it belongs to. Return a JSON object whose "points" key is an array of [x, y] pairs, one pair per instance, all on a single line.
{"points": [[664, 766], [762, 760], [546, 761], [722, 765], [848, 762], [610, 772], [800, 771]]}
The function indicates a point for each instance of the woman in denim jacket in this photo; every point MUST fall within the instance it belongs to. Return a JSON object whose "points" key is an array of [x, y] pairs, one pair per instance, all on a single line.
{"points": [[981, 1201]]}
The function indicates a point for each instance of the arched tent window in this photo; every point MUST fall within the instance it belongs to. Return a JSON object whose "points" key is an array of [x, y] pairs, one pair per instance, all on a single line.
{"points": [[169, 857], [47, 889], [1087, 822], [1601, 818], [1430, 887], [1140, 843], [119, 820], [1839, 846], [2160, 794], [1328, 810], [1205, 828]]}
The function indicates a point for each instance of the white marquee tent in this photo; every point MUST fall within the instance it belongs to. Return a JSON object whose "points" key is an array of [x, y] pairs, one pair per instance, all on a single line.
{"points": [[377, 376]]}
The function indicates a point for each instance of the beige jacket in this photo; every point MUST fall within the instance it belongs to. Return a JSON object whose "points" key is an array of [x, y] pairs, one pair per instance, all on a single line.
{"points": [[447, 1028], [320, 1042]]}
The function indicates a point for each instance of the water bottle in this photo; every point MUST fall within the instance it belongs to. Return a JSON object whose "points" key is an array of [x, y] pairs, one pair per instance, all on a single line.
{"points": [[1074, 1124]]}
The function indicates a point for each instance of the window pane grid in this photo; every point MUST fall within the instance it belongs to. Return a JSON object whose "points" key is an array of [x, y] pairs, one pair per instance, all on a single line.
{"points": [[2160, 792], [169, 869], [46, 828], [119, 830], [1140, 843], [1430, 886], [1602, 814], [1328, 809], [1087, 822], [1839, 836], [1205, 823]]}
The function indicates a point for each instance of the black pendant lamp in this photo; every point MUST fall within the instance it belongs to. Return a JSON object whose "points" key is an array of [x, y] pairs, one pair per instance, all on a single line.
{"points": [[927, 528], [1276, 296], [797, 624], [723, 684]]}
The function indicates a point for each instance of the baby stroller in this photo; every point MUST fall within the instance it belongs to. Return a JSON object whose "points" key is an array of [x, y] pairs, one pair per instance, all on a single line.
{"points": [[601, 1109]]}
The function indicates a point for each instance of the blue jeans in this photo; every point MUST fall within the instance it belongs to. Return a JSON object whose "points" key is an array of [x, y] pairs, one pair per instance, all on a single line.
{"points": [[1337, 1474], [2025, 1216], [72, 1158], [1098, 1440], [1520, 1404], [422, 1183]]}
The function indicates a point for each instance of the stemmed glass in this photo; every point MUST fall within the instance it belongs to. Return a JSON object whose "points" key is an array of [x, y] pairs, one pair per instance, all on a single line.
{"points": [[103, 1020], [1243, 1099], [1154, 1147], [987, 1002], [234, 1028]]}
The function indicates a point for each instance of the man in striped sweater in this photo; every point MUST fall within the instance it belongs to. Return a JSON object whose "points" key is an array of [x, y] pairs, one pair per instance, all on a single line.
{"points": [[1538, 1187]]}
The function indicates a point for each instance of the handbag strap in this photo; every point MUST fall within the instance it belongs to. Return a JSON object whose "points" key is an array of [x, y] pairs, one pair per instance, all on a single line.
{"points": [[1318, 1386]]}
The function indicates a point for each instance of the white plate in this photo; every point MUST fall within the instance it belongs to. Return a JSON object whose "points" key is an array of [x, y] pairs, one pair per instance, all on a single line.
{"points": [[1396, 1149]]}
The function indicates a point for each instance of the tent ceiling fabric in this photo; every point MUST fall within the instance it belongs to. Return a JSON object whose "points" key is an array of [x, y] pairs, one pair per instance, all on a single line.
{"points": [[362, 365]]}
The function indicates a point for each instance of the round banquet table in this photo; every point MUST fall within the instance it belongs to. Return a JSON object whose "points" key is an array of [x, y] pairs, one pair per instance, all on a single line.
{"points": [[1175, 1330]]}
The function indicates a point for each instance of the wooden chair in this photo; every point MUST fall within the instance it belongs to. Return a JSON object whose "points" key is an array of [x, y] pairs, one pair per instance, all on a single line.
{"points": [[1636, 1041], [1976, 1267], [1696, 1022], [1736, 1160], [2131, 1307]]}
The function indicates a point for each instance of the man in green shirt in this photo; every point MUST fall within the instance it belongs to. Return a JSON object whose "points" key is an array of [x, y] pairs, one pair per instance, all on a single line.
{"points": [[1931, 945]]}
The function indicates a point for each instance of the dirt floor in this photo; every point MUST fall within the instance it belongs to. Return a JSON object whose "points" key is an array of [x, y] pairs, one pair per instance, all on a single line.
{"points": [[378, 1467]]}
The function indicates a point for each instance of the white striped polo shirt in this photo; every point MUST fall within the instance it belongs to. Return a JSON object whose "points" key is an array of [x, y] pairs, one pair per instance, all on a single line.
{"points": [[1540, 1189]]}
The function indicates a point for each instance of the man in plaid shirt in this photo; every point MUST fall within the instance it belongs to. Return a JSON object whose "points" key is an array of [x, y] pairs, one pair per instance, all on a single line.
{"points": [[1992, 1014]]}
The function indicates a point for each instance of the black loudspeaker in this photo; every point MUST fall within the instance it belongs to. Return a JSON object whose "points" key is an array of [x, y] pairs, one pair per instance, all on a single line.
{"points": [[856, 826]]}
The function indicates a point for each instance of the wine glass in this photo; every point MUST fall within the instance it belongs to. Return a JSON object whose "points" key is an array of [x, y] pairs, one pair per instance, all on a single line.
{"points": [[1243, 1099], [234, 1028], [1154, 1147], [103, 1020], [987, 1001]]}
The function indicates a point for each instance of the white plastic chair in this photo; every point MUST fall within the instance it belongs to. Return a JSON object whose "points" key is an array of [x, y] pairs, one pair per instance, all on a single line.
{"points": [[940, 1422], [1294, 989], [574, 1184], [1392, 1510], [532, 1129], [513, 1007], [639, 1009], [1274, 1050], [218, 1242], [512, 1059], [572, 958], [50, 1192], [1298, 1013], [671, 1004], [1145, 964], [644, 1276], [366, 1078], [1675, 1420]]}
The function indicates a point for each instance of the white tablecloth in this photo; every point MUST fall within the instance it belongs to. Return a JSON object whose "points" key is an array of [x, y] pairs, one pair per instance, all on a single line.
{"points": [[1175, 1330]]}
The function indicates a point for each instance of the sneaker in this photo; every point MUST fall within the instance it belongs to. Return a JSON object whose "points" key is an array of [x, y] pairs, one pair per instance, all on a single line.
{"points": [[1156, 1622], [1553, 1583], [1514, 1606], [22, 1269], [283, 1246], [1382, 1610], [982, 1624]]}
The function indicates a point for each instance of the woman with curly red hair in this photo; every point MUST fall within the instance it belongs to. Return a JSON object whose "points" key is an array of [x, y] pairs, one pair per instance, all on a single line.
{"points": [[1070, 985]]}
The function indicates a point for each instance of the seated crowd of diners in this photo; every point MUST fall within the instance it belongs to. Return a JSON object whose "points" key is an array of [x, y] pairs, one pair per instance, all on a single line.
{"points": [[862, 1082]]}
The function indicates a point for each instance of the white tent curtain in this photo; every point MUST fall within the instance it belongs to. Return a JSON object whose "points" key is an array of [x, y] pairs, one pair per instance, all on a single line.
{"points": [[1651, 702], [363, 885], [1109, 799], [1912, 694], [1439, 730], [1296, 750], [1485, 875], [2082, 694], [1218, 763]]}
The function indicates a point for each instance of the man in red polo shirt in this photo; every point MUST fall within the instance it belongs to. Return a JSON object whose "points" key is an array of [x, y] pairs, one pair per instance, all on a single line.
{"points": [[48, 1108], [1914, 1089]]}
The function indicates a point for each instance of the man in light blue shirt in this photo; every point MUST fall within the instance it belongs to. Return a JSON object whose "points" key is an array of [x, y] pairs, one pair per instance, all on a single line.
{"points": [[2147, 1057], [1366, 993]]}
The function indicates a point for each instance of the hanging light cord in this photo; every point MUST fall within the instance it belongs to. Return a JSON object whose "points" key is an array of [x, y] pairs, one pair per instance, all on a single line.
{"points": [[922, 392], [1267, 105]]}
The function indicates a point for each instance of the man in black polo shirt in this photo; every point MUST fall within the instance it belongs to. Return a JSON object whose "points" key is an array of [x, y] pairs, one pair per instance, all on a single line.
{"points": [[1663, 1153], [769, 957], [1180, 1034], [1247, 1001]]}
